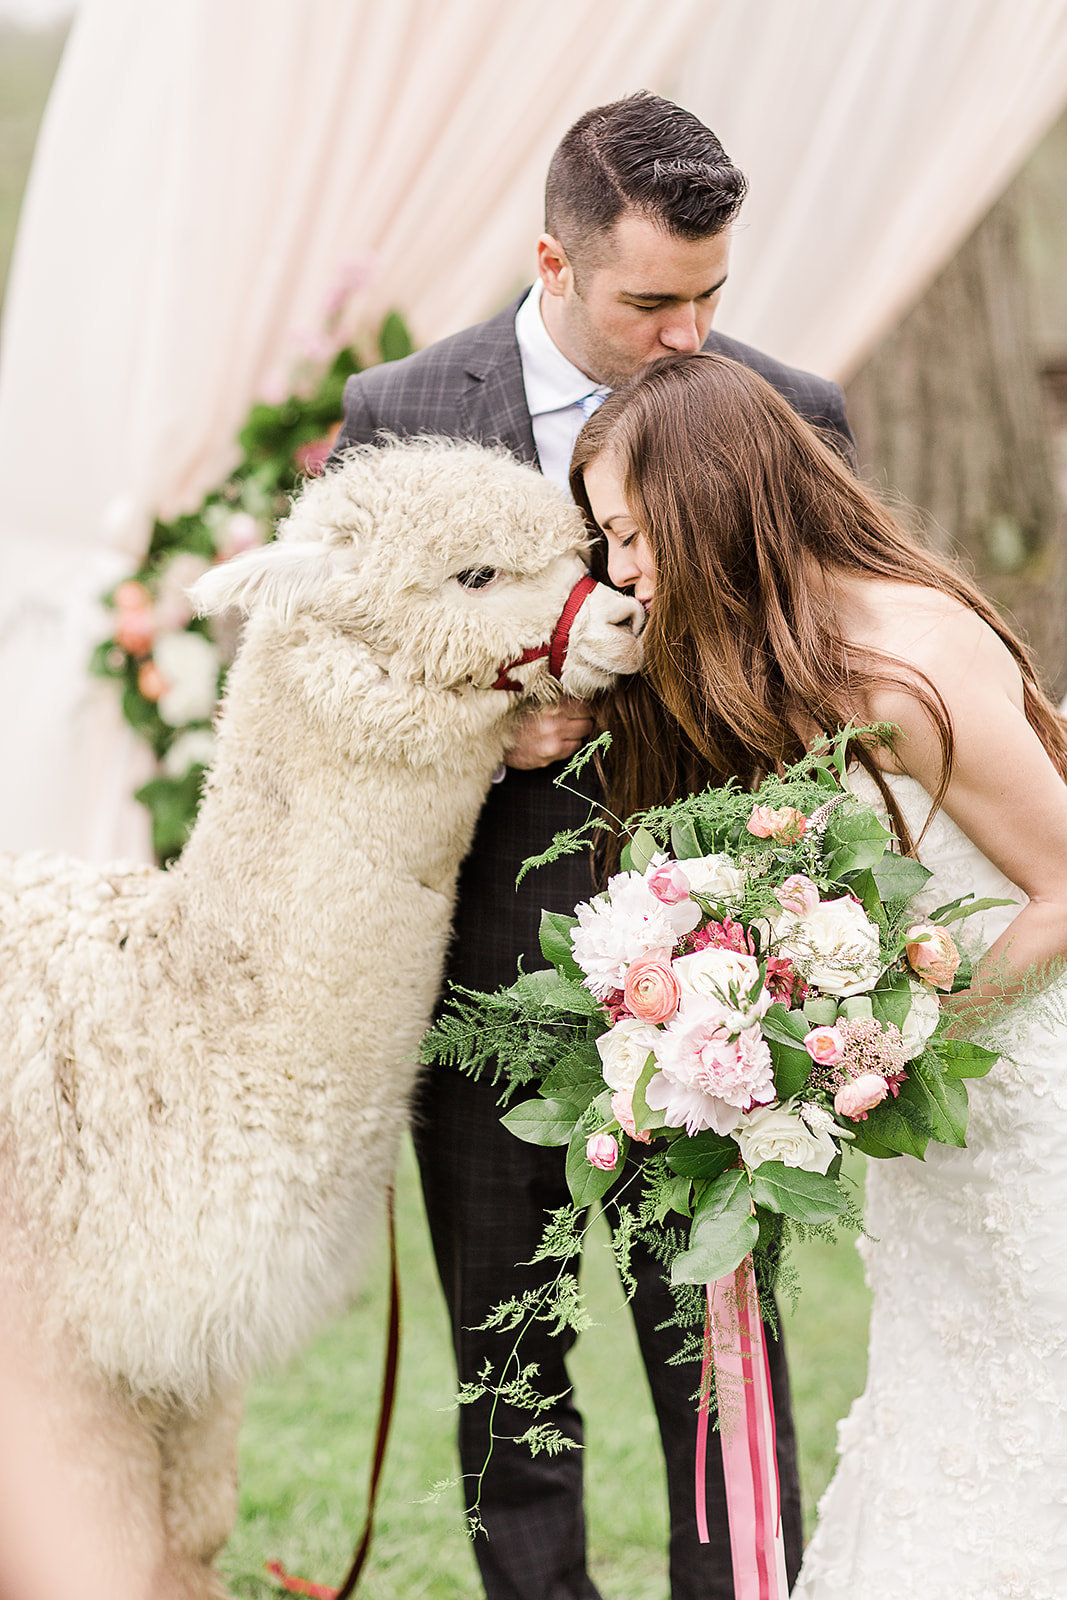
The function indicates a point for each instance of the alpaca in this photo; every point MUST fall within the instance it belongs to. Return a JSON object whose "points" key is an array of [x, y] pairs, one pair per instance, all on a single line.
{"points": [[208, 1068]]}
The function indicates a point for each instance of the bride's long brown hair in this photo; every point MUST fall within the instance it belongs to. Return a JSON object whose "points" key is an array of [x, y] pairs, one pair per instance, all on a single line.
{"points": [[737, 495]]}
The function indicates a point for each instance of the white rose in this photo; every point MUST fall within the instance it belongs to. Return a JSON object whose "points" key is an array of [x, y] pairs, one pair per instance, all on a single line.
{"points": [[715, 877], [921, 1020], [775, 1133], [624, 1049], [836, 947], [729, 979], [190, 665]]}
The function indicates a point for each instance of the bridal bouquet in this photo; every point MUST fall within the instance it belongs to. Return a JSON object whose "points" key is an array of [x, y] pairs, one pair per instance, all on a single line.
{"points": [[756, 988]]}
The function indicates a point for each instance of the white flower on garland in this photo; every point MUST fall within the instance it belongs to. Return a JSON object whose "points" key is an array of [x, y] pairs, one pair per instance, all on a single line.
{"points": [[189, 665], [618, 928], [193, 748]]}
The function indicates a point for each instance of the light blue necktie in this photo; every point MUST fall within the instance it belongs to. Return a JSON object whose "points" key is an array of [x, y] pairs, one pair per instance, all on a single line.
{"points": [[589, 402]]}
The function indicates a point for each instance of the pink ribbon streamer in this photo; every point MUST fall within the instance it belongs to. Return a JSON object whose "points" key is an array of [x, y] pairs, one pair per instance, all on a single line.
{"points": [[735, 1353]]}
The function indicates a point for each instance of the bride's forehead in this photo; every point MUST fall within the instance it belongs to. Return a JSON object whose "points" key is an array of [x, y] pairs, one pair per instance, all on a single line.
{"points": [[605, 485]]}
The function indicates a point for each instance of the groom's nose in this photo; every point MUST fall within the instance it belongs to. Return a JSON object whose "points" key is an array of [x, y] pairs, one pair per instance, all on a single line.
{"points": [[680, 330]]}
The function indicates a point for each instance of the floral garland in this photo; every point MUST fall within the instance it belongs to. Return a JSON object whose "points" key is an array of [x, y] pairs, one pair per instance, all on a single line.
{"points": [[170, 665]]}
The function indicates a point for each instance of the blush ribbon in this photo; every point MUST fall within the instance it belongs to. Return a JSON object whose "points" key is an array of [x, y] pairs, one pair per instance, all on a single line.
{"points": [[735, 1355]]}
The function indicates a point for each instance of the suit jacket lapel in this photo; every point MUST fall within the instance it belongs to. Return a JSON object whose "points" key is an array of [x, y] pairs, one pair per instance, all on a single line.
{"points": [[494, 405]]}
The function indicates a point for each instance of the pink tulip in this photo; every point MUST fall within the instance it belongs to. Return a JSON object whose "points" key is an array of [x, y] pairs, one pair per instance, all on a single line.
{"points": [[669, 884], [797, 894]]}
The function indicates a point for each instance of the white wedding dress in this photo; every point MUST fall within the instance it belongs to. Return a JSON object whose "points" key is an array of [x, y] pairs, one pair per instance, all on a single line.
{"points": [[952, 1477]]}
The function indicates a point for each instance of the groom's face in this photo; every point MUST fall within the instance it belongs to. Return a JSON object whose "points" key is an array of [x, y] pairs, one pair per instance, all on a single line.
{"points": [[639, 292]]}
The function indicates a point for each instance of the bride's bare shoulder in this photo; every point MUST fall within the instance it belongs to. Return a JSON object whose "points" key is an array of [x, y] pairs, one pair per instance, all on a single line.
{"points": [[927, 629]]}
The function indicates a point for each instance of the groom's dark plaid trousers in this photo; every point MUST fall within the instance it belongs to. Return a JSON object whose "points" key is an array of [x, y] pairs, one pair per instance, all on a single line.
{"points": [[486, 1192]]}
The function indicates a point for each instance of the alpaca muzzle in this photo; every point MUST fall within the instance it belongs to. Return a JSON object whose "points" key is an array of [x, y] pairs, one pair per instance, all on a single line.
{"points": [[556, 647]]}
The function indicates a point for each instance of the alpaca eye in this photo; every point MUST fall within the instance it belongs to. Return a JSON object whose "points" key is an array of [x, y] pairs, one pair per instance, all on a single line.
{"points": [[476, 577]]}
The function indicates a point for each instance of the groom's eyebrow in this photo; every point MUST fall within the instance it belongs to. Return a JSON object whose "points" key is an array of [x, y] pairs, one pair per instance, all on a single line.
{"points": [[672, 299]]}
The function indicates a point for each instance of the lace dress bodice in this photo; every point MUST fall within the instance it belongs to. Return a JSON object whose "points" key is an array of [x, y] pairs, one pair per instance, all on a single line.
{"points": [[952, 1479]]}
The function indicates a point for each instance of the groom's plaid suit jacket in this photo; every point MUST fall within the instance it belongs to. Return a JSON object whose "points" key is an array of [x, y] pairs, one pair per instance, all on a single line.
{"points": [[470, 387]]}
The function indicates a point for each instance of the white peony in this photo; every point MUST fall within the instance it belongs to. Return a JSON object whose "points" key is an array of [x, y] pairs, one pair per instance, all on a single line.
{"points": [[777, 1133], [921, 1020], [619, 927], [624, 1049], [190, 665], [727, 978], [835, 946], [715, 877]]}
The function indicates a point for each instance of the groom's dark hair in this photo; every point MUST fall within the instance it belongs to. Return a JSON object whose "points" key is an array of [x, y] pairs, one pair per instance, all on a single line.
{"points": [[640, 154]]}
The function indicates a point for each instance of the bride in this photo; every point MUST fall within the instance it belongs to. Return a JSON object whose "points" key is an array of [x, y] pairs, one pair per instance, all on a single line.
{"points": [[783, 600]]}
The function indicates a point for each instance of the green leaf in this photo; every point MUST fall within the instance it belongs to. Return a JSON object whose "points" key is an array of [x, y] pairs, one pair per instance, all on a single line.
{"points": [[644, 1117], [792, 1069], [642, 847], [555, 937], [394, 340], [675, 1195], [685, 846], [944, 1100], [808, 1197], [785, 1027], [724, 1231], [899, 1124], [575, 1076], [586, 1182], [899, 877], [854, 839], [547, 1121], [548, 988], [865, 889], [705, 1155], [960, 1058], [891, 1001], [965, 906]]}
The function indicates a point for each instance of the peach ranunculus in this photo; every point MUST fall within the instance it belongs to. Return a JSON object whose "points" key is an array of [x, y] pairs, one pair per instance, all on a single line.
{"points": [[825, 1045], [859, 1095], [933, 954], [602, 1150], [785, 825], [651, 991], [797, 894]]}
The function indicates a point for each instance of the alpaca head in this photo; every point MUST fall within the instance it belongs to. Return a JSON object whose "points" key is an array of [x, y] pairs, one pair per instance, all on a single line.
{"points": [[450, 561]]}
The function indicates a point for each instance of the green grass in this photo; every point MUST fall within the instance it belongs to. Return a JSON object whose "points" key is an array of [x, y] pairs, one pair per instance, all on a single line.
{"points": [[308, 1432]]}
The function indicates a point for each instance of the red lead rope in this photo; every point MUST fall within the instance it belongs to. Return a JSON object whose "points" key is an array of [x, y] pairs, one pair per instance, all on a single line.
{"points": [[556, 648]]}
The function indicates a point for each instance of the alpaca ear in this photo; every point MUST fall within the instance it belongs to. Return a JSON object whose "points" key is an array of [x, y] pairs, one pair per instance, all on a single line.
{"points": [[280, 577]]}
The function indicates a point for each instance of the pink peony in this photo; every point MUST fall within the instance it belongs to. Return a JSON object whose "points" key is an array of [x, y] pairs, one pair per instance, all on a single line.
{"points": [[933, 954], [669, 884], [622, 1110], [785, 825], [859, 1095], [824, 1045], [602, 1150], [797, 894], [651, 991]]}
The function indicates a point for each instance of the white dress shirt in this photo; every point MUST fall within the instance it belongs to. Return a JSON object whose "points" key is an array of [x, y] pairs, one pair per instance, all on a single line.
{"points": [[555, 390]]}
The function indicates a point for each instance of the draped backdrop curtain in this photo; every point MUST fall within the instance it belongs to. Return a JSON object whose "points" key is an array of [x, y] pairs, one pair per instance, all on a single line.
{"points": [[207, 171]]}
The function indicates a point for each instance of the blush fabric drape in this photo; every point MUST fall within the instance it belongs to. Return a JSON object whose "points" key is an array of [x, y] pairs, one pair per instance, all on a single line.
{"points": [[212, 174]]}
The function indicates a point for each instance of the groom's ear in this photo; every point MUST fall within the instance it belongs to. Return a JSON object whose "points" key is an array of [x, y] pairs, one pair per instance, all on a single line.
{"points": [[554, 269]]}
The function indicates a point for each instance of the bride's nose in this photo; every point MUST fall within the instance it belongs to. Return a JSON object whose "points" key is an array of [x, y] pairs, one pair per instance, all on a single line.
{"points": [[622, 568]]}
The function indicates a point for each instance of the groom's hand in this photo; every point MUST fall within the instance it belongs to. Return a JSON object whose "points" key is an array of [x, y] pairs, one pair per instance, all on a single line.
{"points": [[553, 734]]}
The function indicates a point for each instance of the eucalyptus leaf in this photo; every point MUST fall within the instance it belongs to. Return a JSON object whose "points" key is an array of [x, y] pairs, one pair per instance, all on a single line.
{"points": [[643, 846], [685, 845]]}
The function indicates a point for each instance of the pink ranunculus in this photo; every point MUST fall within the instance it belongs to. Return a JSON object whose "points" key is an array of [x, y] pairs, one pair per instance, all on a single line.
{"points": [[785, 825], [651, 990], [859, 1095], [622, 1110], [669, 884], [135, 630], [797, 894], [132, 596], [602, 1150], [824, 1045], [933, 954]]}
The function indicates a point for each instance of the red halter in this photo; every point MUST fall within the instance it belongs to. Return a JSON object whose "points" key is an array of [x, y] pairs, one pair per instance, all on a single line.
{"points": [[556, 648]]}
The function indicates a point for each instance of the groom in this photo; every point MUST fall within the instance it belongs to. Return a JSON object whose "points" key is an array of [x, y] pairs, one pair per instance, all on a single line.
{"points": [[640, 200]]}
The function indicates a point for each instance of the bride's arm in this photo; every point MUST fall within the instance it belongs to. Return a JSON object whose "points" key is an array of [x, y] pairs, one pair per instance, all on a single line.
{"points": [[1004, 792]]}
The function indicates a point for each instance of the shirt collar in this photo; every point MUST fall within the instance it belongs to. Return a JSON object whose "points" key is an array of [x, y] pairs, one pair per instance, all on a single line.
{"points": [[551, 381]]}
